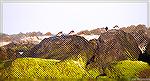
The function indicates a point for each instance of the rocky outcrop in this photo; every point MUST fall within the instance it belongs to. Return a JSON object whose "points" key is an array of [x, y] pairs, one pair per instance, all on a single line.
{"points": [[146, 55], [4, 37], [97, 31], [127, 69], [114, 45], [12, 50], [48, 33], [140, 34], [3, 53], [141, 39], [148, 47], [63, 47]]}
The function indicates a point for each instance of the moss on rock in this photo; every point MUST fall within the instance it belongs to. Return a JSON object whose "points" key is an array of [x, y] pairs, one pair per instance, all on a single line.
{"points": [[126, 69], [47, 68]]}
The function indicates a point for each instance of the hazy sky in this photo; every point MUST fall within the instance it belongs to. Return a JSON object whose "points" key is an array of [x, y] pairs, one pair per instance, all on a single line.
{"points": [[55, 17]]}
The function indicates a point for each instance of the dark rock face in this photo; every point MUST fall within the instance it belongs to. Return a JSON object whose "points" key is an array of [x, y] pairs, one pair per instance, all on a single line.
{"points": [[140, 34], [97, 31], [11, 51], [4, 37], [63, 47], [144, 74], [148, 47], [3, 54], [146, 55], [141, 39], [115, 45]]}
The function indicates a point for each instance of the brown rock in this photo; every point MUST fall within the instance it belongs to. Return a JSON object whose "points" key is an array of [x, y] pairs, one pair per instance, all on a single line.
{"points": [[11, 50], [115, 45], [63, 47], [140, 34], [48, 33]]}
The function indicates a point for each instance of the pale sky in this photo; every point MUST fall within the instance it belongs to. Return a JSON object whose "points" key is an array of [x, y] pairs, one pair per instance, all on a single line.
{"points": [[55, 17]]}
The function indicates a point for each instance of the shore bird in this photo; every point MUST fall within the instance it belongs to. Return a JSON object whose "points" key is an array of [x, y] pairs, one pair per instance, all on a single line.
{"points": [[71, 32], [59, 33], [116, 26], [106, 28]]}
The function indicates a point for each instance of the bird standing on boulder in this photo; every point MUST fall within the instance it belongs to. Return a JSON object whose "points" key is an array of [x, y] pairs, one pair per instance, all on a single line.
{"points": [[71, 32], [59, 33], [106, 28], [116, 26]]}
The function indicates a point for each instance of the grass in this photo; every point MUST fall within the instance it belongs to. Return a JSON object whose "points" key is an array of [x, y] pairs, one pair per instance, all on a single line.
{"points": [[37, 69], [126, 69], [46, 68]]}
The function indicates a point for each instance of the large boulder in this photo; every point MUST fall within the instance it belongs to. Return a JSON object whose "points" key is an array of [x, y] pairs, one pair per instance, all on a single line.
{"points": [[146, 55], [3, 54], [128, 69], [114, 45], [96, 31], [13, 50], [4, 37], [44, 69], [63, 47], [140, 34], [148, 47]]}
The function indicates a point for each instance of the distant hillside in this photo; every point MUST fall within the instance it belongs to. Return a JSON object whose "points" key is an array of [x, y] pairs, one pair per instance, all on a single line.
{"points": [[128, 29], [97, 31], [4, 37], [145, 31]]}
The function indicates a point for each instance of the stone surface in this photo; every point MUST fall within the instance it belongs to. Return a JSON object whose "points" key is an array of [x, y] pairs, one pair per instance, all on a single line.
{"points": [[140, 34], [63, 47], [114, 45], [146, 55], [12, 50]]}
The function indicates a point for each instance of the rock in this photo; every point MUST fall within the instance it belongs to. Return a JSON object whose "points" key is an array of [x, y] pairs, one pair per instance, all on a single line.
{"points": [[4, 37], [141, 39], [47, 68], [127, 69], [85, 32], [144, 73], [3, 54], [11, 51], [148, 33], [63, 47], [146, 55], [94, 43], [97, 31], [140, 34], [148, 47], [115, 45], [48, 33]]}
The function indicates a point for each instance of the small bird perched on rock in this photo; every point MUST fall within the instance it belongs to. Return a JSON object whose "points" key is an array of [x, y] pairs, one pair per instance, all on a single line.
{"points": [[116, 26], [71, 32], [59, 33], [106, 28]]}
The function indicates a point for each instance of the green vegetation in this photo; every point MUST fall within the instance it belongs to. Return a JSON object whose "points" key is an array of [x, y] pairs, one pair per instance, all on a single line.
{"points": [[46, 68], [1, 65], [130, 55], [126, 69], [20, 48], [37, 69]]}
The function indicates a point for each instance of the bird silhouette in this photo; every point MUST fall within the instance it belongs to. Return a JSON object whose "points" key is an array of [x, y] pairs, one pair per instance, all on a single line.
{"points": [[116, 26], [59, 33], [71, 32], [106, 28]]}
